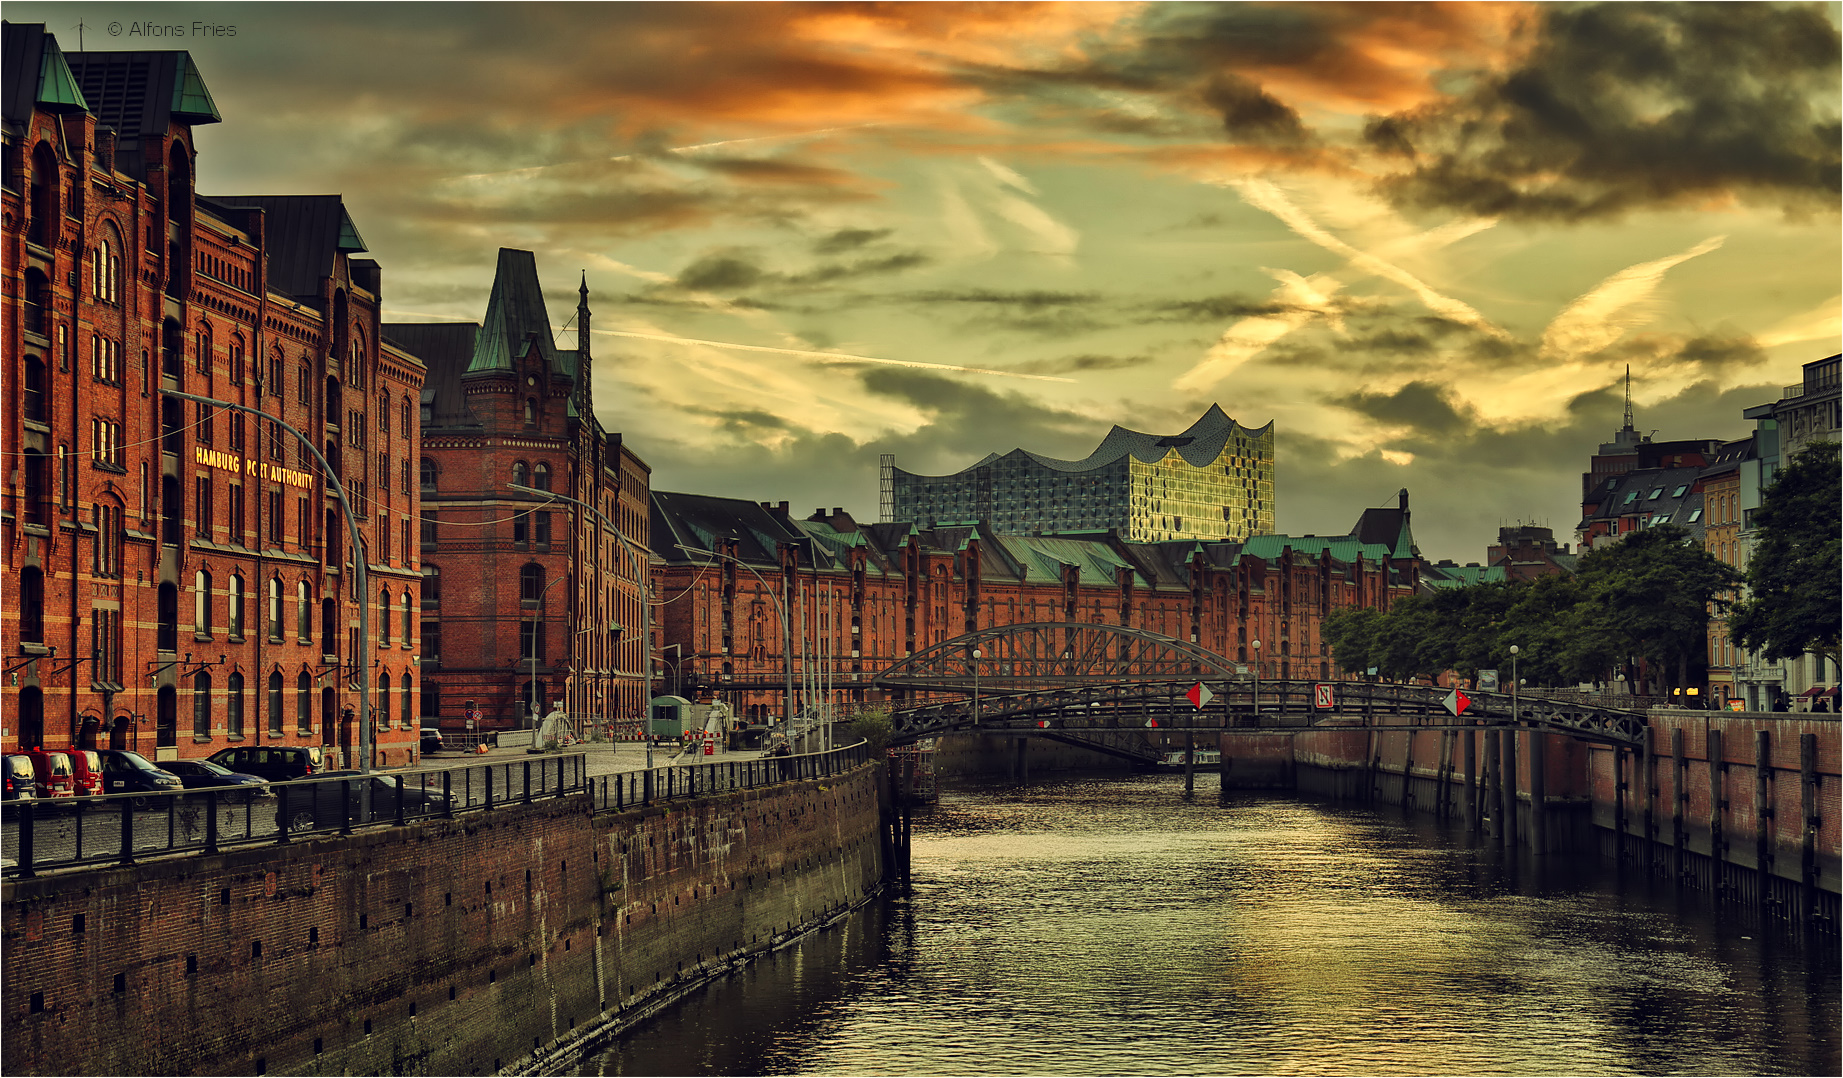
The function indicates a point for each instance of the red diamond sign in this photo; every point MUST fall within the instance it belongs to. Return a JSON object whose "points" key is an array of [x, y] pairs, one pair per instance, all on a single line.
{"points": [[1199, 695], [1042, 724], [1456, 702]]}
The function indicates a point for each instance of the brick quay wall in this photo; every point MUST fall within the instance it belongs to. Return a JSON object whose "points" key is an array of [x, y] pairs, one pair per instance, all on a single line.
{"points": [[492, 942], [1714, 798]]}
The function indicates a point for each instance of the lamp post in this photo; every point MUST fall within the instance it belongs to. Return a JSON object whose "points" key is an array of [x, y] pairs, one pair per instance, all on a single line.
{"points": [[537, 616], [359, 556], [787, 629], [1257, 682], [677, 663], [642, 583], [977, 655], [1513, 683]]}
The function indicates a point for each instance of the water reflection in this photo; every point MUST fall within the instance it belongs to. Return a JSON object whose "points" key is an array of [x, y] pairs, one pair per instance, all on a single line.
{"points": [[1107, 926]]}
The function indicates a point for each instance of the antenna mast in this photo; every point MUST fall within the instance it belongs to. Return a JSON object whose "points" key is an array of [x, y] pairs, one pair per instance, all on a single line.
{"points": [[1628, 396]]}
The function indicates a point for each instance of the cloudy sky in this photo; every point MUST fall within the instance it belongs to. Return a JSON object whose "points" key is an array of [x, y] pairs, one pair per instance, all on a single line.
{"points": [[1425, 241]]}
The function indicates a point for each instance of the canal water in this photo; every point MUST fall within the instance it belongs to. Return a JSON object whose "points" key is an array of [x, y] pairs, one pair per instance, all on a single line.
{"points": [[1093, 926]]}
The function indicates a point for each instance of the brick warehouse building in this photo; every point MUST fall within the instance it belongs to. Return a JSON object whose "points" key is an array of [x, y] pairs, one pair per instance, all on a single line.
{"points": [[504, 405], [175, 573], [867, 595]]}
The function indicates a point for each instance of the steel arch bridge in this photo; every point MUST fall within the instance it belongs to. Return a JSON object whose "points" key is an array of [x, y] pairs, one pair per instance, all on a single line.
{"points": [[1102, 687]]}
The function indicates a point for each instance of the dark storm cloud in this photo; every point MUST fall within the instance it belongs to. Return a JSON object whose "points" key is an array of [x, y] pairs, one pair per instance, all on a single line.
{"points": [[864, 267], [1621, 106], [1214, 309], [850, 239], [1422, 406], [719, 273], [1086, 362], [1028, 301], [1250, 114]]}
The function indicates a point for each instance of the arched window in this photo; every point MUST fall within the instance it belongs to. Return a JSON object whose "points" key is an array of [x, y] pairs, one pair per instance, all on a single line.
{"points": [[45, 195], [203, 342], [409, 613], [303, 703], [275, 704], [407, 711], [384, 617], [201, 704], [540, 476], [106, 266], [521, 474], [233, 706], [403, 417], [166, 636], [303, 612], [235, 624], [382, 718], [275, 608], [428, 477], [201, 602], [431, 586], [33, 390], [531, 411], [530, 583]]}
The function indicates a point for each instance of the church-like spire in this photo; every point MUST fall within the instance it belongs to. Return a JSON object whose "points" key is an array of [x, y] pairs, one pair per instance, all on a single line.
{"points": [[1628, 396], [585, 398]]}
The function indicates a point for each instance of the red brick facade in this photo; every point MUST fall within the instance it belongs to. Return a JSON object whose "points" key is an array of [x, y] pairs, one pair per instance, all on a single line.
{"points": [[177, 574], [881, 592], [505, 406]]}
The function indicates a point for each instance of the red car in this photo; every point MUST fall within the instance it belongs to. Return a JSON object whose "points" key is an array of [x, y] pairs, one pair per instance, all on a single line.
{"points": [[56, 777], [86, 771]]}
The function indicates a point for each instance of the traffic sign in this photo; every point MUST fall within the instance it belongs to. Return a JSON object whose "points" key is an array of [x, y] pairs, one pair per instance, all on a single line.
{"points": [[1042, 724], [1199, 695], [1322, 697], [1150, 723], [1487, 680], [1456, 702]]}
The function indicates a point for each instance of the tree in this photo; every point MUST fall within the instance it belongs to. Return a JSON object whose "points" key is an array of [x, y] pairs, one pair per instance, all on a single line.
{"points": [[1651, 593], [874, 726], [1793, 572], [1351, 632]]}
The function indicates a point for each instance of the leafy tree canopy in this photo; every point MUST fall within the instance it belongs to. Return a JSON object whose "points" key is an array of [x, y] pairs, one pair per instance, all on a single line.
{"points": [[1793, 572]]}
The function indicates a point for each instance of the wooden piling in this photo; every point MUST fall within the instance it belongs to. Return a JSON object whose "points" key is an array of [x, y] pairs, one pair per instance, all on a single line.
{"points": [[1471, 779], [1679, 794], [1718, 855], [1807, 826], [1510, 788], [1538, 792], [1763, 814], [1190, 752]]}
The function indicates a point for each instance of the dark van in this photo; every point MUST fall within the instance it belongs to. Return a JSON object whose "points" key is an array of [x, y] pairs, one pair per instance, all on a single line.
{"points": [[277, 763]]}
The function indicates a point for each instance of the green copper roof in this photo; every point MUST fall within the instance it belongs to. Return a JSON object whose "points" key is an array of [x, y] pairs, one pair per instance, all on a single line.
{"points": [[191, 101], [514, 315], [57, 87], [350, 241]]}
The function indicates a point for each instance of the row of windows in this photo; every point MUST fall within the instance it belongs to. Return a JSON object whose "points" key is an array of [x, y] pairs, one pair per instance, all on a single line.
{"points": [[402, 701]]}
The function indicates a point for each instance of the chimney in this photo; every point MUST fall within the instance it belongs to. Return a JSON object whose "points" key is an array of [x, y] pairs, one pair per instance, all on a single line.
{"points": [[837, 512]]}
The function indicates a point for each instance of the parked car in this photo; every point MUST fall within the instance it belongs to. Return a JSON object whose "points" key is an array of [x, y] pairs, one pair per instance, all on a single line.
{"points": [[431, 740], [328, 803], [130, 772], [86, 771], [205, 775], [277, 763], [21, 780], [53, 771]]}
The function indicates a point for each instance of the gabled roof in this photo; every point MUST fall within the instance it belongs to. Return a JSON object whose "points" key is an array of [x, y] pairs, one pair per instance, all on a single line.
{"points": [[444, 348], [304, 235], [1387, 527], [515, 318], [36, 74], [698, 520], [141, 93]]}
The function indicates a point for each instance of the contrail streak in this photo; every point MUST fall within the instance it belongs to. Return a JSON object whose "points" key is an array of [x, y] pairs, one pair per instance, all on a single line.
{"points": [[832, 357]]}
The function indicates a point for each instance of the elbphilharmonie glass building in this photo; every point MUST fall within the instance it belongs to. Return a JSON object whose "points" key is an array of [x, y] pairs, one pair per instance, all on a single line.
{"points": [[1213, 481]]}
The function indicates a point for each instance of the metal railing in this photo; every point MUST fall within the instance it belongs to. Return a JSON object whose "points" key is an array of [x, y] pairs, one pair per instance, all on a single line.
{"points": [[124, 828], [636, 789]]}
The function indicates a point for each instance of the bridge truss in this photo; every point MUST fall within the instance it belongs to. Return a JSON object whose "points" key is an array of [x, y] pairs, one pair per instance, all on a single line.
{"points": [[1106, 687]]}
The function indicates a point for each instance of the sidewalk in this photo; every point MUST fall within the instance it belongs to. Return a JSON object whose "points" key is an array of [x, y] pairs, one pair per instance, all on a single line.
{"points": [[604, 757]]}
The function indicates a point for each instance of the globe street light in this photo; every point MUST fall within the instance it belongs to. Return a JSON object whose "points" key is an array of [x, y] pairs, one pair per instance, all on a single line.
{"points": [[976, 657], [1257, 682], [1513, 683]]}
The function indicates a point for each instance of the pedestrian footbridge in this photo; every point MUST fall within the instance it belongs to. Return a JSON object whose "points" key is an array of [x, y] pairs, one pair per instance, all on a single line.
{"points": [[1103, 687]]}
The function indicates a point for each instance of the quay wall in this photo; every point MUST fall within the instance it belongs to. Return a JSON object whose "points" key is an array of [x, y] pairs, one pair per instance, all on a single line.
{"points": [[1743, 805], [492, 942]]}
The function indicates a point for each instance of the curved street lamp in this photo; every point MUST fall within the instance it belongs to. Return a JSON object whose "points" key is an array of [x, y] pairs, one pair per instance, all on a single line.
{"points": [[787, 629], [643, 584], [1257, 682]]}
